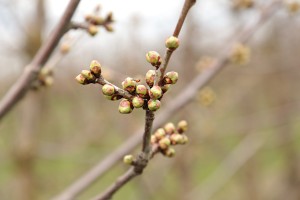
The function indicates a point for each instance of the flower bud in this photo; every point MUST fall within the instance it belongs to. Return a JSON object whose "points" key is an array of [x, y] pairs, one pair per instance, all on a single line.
{"points": [[113, 97], [92, 30], [153, 58], [172, 43], [164, 143], [128, 159], [150, 77], [137, 102], [170, 128], [160, 133], [95, 68], [88, 75], [125, 107], [170, 152], [80, 79], [171, 77], [129, 84], [141, 90], [108, 90], [155, 92], [165, 88], [182, 126], [153, 105], [176, 138], [109, 28]]}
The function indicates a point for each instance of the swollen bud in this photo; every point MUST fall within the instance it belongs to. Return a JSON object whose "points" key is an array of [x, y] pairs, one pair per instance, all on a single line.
{"points": [[172, 43], [170, 152], [171, 77], [125, 107], [153, 105], [164, 143], [176, 139], [128, 159], [108, 90], [165, 88], [182, 126], [129, 84], [141, 90], [88, 75], [160, 133], [137, 102], [155, 92], [150, 77], [95, 68], [170, 128], [80, 79], [153, 58]]}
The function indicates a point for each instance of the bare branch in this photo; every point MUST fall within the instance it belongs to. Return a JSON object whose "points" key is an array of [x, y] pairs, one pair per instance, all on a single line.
{"points": [[22, 85]]}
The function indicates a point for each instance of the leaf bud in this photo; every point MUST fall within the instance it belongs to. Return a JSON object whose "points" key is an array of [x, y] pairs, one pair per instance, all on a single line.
{"points": [[128, 159]]}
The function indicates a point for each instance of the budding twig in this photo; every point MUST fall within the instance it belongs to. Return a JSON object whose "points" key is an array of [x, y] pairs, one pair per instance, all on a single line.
{"points": [[178, 102]]}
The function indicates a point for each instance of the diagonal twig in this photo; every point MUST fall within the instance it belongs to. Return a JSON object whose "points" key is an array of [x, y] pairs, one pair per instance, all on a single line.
{"points": [[30, 73]]}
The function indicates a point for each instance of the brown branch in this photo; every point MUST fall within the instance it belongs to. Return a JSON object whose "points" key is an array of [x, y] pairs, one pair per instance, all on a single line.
{"points": [[186, 7], [178, 102], [22, 85]]}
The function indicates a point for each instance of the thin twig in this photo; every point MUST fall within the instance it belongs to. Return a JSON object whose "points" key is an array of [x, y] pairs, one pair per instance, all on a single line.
{"points": [[186, 7], [178, 102], [22, 85]]}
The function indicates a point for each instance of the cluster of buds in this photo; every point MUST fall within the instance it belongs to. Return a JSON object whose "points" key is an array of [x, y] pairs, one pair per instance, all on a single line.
{"points": [[94, 21], [45, 79], [133, 94], [169, 135], [89, 76]]}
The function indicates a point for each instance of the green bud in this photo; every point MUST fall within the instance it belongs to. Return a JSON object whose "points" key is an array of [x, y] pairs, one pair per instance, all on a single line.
{"points": [[95, 68], [125, 107], [80, 79], [182, 126], [137, 102], [88, 75], [141, 90], [150, 77], [155, 92], [171, 77], [129, 84], [160, 133], [108, 90], [164, 143], [153, 105], [172, 43], [153, 58], [128, 159], [165, 88], [170, 128], [176, 138], [170, 152]]}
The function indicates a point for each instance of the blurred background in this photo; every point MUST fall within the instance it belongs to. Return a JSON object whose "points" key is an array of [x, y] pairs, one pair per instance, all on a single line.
{"points": [[244, 127]]}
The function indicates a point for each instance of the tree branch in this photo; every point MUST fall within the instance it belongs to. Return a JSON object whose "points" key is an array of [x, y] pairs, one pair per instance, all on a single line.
{"points": [[178, 102], [22, 85]]}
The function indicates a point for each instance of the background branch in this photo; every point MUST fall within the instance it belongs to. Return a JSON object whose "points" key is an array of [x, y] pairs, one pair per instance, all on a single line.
{"points": [[22, 85]]}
